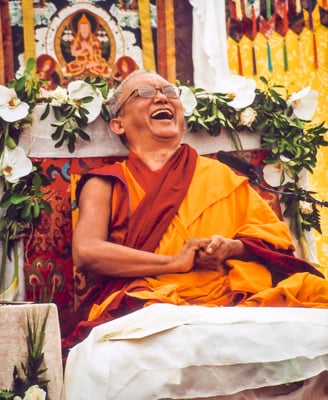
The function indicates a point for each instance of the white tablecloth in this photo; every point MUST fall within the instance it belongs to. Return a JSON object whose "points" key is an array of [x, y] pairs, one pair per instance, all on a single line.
{"points": [[13, 344], [186, 352]]}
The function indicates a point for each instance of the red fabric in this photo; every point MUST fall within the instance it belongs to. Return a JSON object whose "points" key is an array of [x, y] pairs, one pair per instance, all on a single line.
{"points": [[165, 191], [280, 264]]}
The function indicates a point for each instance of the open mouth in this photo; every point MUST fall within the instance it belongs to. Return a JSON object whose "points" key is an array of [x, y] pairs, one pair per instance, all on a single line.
{"points": [[162, 114]]}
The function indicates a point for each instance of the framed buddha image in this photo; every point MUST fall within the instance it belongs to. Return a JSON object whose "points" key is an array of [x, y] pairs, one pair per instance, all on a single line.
{"points": [[85, 45], [88, 39]]}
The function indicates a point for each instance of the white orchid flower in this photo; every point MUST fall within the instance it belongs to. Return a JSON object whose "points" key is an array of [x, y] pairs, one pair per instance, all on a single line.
{"points": [[206, 95], [79, 89], [276, 175], [11, 108], [240, 89], [188, 100], [58, 96], [303, 103], [14, 164]]}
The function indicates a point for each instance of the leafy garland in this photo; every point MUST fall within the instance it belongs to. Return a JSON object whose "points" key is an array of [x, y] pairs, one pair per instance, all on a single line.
{"points": [[292, 143]]}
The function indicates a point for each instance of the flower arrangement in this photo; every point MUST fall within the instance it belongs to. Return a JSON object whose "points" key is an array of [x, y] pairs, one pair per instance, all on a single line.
{"points": [[23, 183]]}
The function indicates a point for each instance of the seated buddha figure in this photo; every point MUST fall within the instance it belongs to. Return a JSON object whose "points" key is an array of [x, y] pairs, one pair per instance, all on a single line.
{"points": [[86, 49]]}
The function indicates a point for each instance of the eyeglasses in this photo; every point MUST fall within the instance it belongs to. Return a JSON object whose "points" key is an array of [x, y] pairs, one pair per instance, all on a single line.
{"points": [[148, 92]]}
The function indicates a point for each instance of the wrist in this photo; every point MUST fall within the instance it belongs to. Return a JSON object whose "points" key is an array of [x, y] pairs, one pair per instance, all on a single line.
{"points": [[239, 250]]}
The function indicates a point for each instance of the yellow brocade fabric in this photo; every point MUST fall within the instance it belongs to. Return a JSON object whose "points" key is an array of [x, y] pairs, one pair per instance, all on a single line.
{"points": [[220, 202]]}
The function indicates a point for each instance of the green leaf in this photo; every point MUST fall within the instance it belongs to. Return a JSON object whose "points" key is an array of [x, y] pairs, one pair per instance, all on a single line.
{"points": [[45, 112], [10, 142], [87, 99], [36, 209], [18, 198], [31, 63], [82, 134], [26, 212], [58, 133]]}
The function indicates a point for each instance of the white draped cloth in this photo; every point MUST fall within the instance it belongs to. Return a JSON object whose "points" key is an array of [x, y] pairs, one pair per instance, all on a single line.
{"points": [[189, 352], [209, 44]]}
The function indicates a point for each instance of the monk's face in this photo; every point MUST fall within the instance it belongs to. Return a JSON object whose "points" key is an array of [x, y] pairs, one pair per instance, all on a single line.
{"points": [[150, 121], [85, 30]]}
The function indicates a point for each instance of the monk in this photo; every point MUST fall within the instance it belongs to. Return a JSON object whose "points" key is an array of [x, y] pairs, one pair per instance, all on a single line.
{"points": [[167, 225]]}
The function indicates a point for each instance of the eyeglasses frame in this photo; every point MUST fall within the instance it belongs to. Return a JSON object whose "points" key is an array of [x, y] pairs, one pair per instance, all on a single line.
{"points": [[178, 92]]}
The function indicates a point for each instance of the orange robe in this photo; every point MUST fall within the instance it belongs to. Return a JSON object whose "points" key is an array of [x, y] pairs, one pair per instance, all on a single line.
{"points": [[219, 202], [195, 196]]}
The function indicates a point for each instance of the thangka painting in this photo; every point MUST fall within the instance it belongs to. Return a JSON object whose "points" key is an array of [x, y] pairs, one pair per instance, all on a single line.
{"points": [[74, 39]]}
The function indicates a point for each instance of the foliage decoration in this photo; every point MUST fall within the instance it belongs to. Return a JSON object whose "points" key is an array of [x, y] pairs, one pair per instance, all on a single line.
{"points": [[283, 121]]}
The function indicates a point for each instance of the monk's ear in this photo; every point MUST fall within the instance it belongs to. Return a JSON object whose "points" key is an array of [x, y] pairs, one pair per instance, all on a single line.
{"points": [[116, 125]]}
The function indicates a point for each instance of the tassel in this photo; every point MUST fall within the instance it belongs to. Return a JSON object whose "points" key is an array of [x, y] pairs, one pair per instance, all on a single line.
{"points": [[285, 17], [254, 61], [298, 6], [310, 15], [285, 55], [270, 68], [240, 63], [268, 9], [300, 53], [254, 30], [315, 52], [239, 12]]}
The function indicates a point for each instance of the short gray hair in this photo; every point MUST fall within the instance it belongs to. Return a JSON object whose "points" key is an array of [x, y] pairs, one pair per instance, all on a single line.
{"points": [[116, 96]]}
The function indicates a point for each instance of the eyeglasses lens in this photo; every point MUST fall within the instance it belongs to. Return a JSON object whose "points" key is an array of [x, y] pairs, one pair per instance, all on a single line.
{"points": [[170, 91]]}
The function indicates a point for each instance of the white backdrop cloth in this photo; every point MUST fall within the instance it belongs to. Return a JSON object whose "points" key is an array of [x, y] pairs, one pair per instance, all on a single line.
{"points": [[186, 352], [209, 43], [37, 142]]}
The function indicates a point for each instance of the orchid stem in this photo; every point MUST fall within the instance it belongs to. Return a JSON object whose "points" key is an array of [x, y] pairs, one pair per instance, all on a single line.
{"points": [[4, 258], [237, 143], [301, 238]]}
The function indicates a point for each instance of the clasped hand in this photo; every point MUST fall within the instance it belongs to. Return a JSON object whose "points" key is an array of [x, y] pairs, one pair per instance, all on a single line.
{"points": [[209, 253]]}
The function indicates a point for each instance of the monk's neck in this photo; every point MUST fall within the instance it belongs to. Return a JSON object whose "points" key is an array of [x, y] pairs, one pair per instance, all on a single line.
{"points": [[156, 160]]}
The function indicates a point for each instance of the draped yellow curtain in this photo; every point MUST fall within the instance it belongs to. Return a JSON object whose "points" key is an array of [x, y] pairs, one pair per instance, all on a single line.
{"points": [[28, 23], [307, 66], [166, 64], [146, 35]]}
